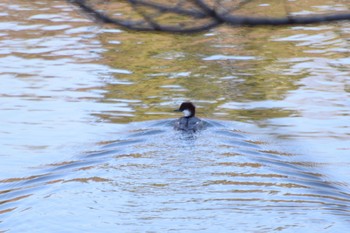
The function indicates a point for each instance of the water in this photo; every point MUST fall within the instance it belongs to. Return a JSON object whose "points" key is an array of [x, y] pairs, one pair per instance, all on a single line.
{"points": [[86, 136]]}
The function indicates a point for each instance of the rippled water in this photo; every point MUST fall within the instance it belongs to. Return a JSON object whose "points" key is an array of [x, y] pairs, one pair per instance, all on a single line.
{"points": [[87, 143]]}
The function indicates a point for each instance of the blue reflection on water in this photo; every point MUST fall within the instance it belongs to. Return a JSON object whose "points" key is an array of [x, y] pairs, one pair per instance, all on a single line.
{"points": [[152, 177]]}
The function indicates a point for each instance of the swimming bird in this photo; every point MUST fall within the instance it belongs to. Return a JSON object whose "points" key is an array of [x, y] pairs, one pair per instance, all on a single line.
{"points": [[189, 122]]}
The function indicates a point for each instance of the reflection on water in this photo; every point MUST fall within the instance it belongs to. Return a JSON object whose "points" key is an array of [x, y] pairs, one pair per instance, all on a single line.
{"points": [[78, 152]]}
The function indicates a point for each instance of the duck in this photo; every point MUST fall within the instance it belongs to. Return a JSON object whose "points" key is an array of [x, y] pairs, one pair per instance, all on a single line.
{"points": [[189, 122]]}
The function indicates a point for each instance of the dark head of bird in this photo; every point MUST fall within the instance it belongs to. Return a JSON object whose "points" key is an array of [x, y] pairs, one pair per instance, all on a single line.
{"points": [[188, 109]]}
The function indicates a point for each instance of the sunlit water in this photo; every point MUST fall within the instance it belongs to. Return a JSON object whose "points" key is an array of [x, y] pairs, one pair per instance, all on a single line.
{"points": [[86, 126]]}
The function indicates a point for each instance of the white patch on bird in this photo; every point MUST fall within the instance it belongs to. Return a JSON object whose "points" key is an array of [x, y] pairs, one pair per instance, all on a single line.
{"points": [[186, 112]]}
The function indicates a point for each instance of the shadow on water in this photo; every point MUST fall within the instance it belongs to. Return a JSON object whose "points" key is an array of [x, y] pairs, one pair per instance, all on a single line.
{"points": [[164, 173]]}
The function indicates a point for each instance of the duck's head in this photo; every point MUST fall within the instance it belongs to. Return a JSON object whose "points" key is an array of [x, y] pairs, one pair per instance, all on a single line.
{"points": [[188, 109]]}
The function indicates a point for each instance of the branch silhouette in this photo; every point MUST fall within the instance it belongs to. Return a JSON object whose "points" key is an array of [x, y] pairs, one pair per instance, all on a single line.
{"points": [[191, 16]]}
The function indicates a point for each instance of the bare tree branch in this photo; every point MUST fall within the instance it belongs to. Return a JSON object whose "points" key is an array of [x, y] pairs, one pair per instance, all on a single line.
{"points": [[176, 10], [195, 16], [262, 21]]}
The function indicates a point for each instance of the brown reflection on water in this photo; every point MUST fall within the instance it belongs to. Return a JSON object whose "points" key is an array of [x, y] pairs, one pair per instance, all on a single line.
{"points": [[236, 65], [167, 69], [228, 65]]}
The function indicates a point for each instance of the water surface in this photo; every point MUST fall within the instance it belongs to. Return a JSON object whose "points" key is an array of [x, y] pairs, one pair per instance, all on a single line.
{"points": [[87, 142]]}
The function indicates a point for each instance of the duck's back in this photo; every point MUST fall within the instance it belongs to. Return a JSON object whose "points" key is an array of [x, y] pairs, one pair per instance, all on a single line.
{"points": [[188, 124]]}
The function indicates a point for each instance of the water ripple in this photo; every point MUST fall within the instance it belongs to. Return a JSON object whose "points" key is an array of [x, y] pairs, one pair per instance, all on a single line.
{"points": [[217, 169]]}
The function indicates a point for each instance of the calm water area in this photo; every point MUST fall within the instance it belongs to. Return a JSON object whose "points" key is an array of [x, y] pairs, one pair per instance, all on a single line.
{"points": [[86, 136]]}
